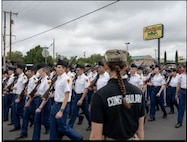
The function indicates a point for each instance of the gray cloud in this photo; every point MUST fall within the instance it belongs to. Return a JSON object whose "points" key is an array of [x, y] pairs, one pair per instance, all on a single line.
{"points": [[106, 29]]}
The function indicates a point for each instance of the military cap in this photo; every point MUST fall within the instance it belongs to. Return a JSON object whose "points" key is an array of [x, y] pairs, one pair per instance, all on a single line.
{"points": [[174, 69], [133, 66], [88, 66], [80, 66], [42, 65], [156, 66], [62, 62], [33, 68], [101, 63], [21, 66], [115, 55], [11, 68], [140, 68]]}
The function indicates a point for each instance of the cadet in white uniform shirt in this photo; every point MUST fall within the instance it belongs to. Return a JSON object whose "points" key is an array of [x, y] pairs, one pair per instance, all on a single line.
{"points": [[135, 78], [103, 76], [60, 109]]}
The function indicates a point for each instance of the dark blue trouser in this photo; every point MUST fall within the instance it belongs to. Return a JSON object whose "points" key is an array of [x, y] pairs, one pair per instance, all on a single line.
{"points": [[75, 110], [18, 111], [171, 92], [182, 104], [27, 114], [153, 99], [42, 118], [8, 100], [59, 126]]}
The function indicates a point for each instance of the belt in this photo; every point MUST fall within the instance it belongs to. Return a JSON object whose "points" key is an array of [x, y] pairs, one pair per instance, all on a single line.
{"points": [[79, 94], [57, 102], [184, 88], [134, 137]]}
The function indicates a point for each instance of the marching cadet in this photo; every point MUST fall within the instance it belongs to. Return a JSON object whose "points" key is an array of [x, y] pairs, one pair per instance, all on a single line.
{"points": [[81, 100], [103, 75], [158, 84], [135, 78], [29, 110], [42, 105], [19, 99], [181, 95], [8, 95], [61, 106], [171, 85]]}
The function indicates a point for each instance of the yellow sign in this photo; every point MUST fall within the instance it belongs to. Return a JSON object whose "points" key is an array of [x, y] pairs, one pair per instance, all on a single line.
{"points": [[153, 32]]}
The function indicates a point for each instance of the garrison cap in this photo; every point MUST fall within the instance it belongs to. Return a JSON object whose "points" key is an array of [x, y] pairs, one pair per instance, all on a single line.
{"points": [[42, 65], [133, 66], [32, 68], [11, 68], [174, 69], [21, 66], [80, 66], [116, 55], [62, 62], [100, 63]]}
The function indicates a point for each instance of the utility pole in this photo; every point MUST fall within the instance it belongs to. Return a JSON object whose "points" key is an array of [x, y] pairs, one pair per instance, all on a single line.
{"points": [[53, 48], [11, 22], [4, 40]]}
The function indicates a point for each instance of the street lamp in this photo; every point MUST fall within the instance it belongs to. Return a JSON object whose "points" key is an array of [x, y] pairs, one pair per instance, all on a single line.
{"points": [[127, 49]]}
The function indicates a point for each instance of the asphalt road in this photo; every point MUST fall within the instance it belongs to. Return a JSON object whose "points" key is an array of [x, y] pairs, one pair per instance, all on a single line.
{"points": [[160, 129]]}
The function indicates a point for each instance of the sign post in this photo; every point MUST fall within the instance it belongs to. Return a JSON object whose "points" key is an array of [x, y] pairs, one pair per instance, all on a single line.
{"points": [[154, 32]]}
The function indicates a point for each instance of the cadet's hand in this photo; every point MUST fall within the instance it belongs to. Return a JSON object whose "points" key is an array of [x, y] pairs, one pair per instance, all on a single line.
{"points": [[58, 115], [158, 94], [17, 100], [79, 103], [27, 105], [38, 110]]}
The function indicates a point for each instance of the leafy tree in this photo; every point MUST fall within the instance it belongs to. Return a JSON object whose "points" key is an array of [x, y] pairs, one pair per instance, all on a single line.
{"points": [[35, 56], [16, 56]]}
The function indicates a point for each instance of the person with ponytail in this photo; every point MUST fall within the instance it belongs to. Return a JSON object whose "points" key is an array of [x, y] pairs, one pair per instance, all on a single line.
{"points": [[117, 109]]}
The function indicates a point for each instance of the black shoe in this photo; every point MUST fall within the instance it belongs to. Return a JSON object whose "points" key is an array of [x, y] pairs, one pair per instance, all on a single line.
{"points": [[14, 129], [88, 128], [171, 112], [81, 138], [11, 123], [5, 119], [151, 119], [81, 118], [21, 136], [46, 131], [178, 125], [164, 115], [31, 124]]}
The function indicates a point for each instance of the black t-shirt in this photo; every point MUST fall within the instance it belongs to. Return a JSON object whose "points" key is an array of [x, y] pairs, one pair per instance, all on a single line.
{"points": [[119, 122]]}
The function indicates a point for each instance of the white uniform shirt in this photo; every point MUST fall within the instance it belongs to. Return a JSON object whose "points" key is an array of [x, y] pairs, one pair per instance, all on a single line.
{"points": [[62, 85], [22, 79], [43, 86], [183, 80], [10, 80], [81, 83], [32, 83], [158, 80], [174, 81], [135, 80], [71, 76], [102, 80]]}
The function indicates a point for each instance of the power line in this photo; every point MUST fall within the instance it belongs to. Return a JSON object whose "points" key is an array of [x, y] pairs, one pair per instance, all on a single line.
{"points": [[66, 22]]}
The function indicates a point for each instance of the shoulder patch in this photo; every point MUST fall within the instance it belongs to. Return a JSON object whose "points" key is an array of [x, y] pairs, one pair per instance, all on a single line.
{"points": [[87, 80], [68, 81]]}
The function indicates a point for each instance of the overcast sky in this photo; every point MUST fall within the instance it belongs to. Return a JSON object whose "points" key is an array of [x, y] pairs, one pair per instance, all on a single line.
{"points": [[108, 28]]}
